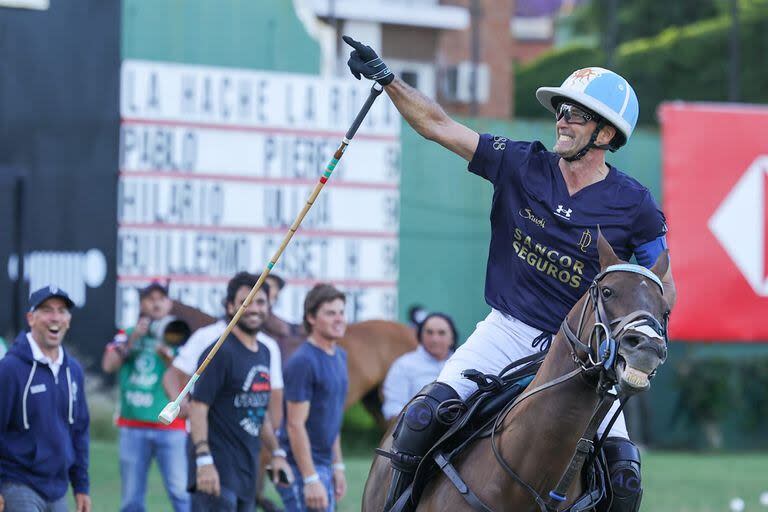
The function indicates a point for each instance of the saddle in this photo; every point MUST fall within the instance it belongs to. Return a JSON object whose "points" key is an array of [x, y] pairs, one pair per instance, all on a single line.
{"points": [[475, 420]]}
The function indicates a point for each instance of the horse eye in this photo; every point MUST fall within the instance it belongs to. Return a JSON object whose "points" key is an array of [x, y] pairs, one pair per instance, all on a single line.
{"points": [[607, 292]]}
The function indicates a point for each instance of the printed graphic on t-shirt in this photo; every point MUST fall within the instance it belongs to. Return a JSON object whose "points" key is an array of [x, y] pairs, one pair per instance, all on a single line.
{"points": [[252, 400], [142, 380]]}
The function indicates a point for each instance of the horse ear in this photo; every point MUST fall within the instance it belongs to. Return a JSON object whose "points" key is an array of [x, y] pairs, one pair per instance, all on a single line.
{"points": [[661, 267], [605, 251]]}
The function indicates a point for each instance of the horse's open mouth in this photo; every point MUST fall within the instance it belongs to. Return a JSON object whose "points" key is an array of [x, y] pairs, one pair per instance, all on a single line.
{"points": [[631, 379]]}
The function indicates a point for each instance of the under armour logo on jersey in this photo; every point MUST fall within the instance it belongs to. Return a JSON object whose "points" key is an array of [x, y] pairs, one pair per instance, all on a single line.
{"points": [[563, 212]]}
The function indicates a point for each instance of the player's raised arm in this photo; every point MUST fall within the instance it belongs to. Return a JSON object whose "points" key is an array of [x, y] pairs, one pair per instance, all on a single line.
{"points": [[422, 113]]}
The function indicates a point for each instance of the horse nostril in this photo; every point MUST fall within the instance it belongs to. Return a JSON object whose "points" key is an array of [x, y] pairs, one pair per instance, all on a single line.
{"points": [[631, 340]]}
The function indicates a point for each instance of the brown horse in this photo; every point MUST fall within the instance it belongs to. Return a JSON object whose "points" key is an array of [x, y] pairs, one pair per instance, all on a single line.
{"points": [[372, 346], [536, 438]]}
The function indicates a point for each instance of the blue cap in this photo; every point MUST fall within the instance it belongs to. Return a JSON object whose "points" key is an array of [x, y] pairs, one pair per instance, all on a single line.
{"points": [[43, 294]]}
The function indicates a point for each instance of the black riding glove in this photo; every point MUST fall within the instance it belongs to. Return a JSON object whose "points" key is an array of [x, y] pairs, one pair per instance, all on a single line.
{"points": [[364, 61]]}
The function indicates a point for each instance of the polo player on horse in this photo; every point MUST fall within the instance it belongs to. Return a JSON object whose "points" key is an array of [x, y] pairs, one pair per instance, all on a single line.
{"points": [[547, 207]]}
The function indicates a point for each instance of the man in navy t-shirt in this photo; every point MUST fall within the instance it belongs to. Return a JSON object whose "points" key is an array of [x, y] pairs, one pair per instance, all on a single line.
{"points": [[315, 390], [227, 413], [547, 207]]}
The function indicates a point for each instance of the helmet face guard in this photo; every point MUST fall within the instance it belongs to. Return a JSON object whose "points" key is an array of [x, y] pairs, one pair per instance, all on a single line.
{"points": [[601, 91]]}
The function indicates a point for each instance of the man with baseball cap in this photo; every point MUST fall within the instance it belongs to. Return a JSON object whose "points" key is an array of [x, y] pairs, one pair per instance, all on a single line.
{"points": [[44, 417], [139, 355]]}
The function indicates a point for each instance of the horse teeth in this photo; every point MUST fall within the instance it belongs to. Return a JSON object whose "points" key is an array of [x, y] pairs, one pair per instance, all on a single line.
{"points": [[635, 378]]}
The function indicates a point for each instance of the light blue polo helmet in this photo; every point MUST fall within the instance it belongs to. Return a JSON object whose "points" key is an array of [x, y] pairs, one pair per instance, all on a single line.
{"points": [[602, 91]]}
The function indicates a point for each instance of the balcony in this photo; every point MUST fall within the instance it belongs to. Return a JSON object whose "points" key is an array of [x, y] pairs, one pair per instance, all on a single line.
{"points": [[417, 13]]}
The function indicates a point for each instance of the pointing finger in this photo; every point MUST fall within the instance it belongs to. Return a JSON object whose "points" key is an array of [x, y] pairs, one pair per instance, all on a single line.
{"points": [[351, 42]]}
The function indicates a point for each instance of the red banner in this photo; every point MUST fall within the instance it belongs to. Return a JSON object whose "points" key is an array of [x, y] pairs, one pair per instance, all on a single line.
{"points": [[715, 179]]}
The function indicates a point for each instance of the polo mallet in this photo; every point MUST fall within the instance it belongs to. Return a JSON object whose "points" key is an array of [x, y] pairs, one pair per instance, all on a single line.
{"points": [[171, 410]]}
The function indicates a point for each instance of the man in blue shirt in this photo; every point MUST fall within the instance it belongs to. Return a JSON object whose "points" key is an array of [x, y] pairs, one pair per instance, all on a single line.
{"points": [[315, 389], [546, 210], [44, 419]]}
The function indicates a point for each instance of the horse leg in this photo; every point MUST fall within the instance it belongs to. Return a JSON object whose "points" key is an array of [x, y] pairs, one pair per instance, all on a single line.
{"points": [[372, 403], [379, 478]]}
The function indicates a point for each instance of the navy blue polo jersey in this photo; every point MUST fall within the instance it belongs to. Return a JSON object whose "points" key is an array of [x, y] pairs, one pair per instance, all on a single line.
{"points": [[543, 252]]}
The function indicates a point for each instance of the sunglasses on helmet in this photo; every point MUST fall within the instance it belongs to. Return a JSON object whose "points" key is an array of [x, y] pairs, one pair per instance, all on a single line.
{"points": [[574, 114]]}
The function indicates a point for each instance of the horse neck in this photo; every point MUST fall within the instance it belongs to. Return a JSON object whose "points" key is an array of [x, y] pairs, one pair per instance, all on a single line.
{"points": [[548, 425], [559, 360], [574, 398], [570, 396]]}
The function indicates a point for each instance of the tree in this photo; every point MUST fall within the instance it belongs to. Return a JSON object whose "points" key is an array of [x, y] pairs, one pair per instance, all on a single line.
{"points": [[642, 18]]}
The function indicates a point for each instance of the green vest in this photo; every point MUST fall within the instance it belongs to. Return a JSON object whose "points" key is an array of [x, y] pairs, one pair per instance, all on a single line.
{"points": [[141, 387], [3, 347]]}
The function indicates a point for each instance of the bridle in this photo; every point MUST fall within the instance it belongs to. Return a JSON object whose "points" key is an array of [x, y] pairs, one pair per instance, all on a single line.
{"points": [[601, 348], [598, 369]]}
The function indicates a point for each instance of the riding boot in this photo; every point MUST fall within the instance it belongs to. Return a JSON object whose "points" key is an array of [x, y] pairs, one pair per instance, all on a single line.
{"points": [[623, 459], [416, 432]]}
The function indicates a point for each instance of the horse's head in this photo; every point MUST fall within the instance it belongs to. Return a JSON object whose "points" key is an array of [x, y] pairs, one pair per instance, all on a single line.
{"points": [[631, 317], [628, 337]]}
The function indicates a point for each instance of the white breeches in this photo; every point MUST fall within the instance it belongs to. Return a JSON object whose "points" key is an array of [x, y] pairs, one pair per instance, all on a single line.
{"points": [[497, 341]]}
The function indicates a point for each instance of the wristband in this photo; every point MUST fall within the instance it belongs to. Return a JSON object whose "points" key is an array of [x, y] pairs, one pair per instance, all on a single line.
{"points": [[338, 466], [279, 452], [314, 477], [204, 460]]}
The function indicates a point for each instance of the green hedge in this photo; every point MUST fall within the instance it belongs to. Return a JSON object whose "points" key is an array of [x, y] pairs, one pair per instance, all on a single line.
{"points": [[718, 389], [686, 63]]}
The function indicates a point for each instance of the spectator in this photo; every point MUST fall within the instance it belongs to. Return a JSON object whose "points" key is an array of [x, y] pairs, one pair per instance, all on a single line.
{"points": [[276, 285], [412, 371], [186, 361], [185, 364], [416, 315], [141, 356], [228, 412], [316, 386], [288, 335], [44, 417]]}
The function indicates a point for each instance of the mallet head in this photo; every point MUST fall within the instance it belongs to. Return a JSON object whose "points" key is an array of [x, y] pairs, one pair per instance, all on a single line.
{"points": [[169, 413]]}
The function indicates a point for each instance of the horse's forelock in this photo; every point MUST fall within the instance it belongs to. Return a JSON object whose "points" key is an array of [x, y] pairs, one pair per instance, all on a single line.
{"points": [[633, 296]]}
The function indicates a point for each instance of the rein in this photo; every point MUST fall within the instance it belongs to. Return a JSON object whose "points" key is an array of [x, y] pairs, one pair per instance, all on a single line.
{"points": [[598, 370]]}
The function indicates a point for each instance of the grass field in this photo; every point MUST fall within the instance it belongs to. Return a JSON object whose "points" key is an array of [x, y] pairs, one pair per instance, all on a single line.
{"points": [[674, 482]]}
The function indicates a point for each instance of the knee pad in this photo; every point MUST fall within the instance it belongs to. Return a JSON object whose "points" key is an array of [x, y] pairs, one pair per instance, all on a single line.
{"points": [[623, 459], [418, 427]]}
